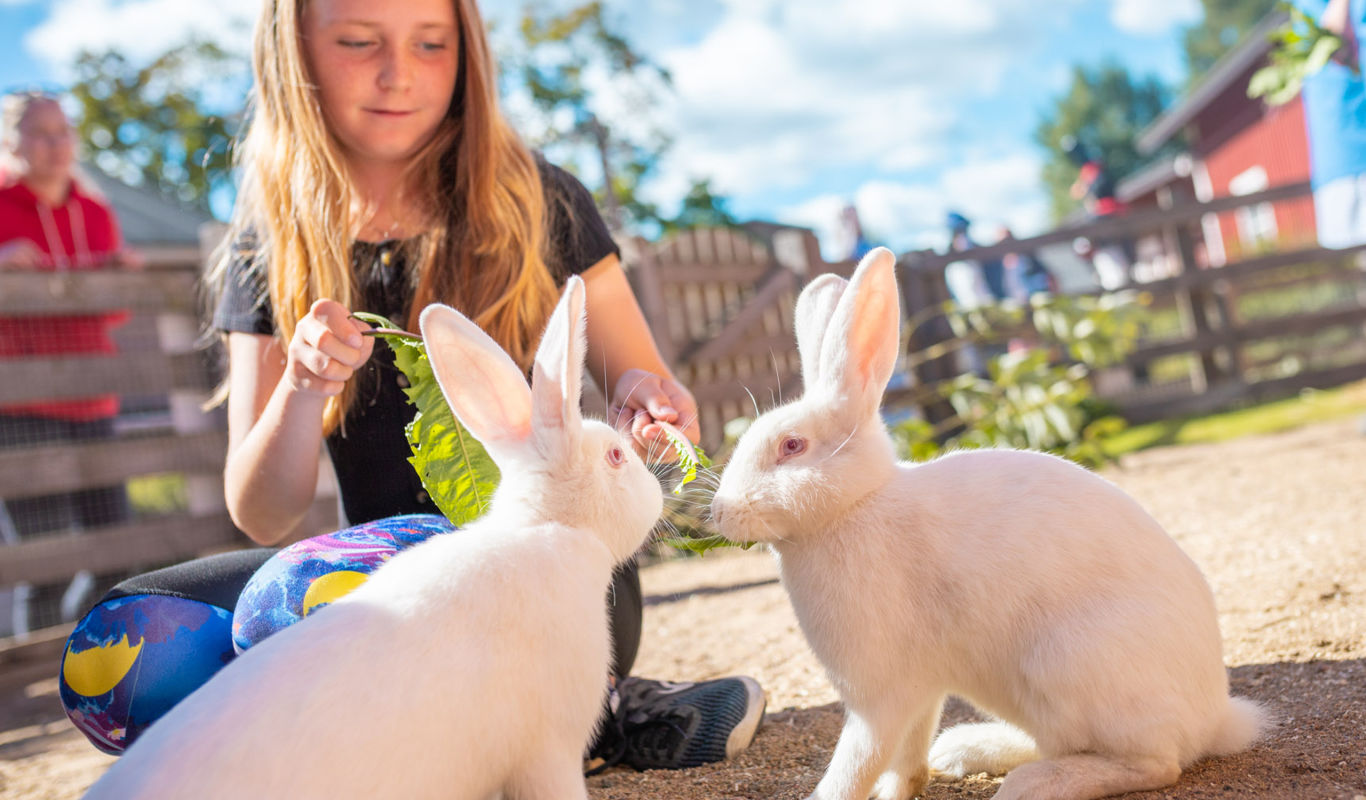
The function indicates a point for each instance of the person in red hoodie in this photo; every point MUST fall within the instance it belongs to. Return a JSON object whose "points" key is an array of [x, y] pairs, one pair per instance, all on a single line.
{"points": [[49, 222]]}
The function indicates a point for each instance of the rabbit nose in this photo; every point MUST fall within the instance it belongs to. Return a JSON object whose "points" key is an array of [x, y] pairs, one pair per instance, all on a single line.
{"points": [[719, 507]]}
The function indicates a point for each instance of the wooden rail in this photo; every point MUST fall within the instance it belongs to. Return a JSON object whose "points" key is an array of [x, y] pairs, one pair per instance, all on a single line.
{"points": [[1214, 334], [170, 443]]}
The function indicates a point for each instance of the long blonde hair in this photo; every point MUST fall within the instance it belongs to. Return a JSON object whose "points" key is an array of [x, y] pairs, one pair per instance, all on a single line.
{"points": [[483, 250]]}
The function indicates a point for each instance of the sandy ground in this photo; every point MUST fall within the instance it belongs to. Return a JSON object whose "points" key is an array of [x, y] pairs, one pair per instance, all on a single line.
{"points": [[1278, 523]]}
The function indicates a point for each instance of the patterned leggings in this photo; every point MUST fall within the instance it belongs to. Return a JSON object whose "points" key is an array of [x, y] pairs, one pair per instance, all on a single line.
{"points": [[157, 637]]}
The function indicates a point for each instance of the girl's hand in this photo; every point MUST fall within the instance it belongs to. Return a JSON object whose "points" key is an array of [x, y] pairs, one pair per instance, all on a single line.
{"points": [[326, 350], [641, 397], [20, 254]]}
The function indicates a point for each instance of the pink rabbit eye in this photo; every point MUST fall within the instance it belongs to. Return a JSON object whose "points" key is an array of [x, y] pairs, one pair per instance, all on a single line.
{"points": [[791, 446], [616, 456]]}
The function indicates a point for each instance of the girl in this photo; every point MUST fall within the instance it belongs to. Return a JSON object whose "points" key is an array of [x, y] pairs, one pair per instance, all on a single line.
{"points": [[379, 175]]}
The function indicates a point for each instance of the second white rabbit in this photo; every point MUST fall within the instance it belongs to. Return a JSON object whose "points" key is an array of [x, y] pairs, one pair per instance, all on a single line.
{"points": [[1030, 586]]}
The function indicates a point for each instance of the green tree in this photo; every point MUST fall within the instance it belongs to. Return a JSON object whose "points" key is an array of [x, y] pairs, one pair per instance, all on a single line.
{"points": [[702, 208], [1104, 110], [563, 57], [1224, 24], [147, 125]]}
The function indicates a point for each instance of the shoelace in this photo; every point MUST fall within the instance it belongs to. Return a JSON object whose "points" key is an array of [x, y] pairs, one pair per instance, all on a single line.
{"points": [[622, 729]]}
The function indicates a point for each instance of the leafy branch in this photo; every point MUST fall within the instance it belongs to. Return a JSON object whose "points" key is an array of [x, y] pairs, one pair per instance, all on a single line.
{"points": [[1302, 48]]}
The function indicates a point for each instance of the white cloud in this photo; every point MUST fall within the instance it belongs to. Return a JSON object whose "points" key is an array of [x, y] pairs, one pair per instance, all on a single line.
{"points": [[1151, 17], [992, 192], [141, 29]]}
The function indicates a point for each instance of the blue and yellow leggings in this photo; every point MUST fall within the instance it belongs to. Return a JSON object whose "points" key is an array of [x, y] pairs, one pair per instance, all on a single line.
{"points": [[157, 637]]}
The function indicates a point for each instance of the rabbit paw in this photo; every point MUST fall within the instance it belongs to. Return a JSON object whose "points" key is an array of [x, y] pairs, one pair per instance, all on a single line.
{"points": [[895, 786]]}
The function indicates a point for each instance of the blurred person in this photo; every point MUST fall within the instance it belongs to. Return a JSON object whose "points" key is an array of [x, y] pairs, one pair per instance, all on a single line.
{"points": [[51, 222], [1025, 274], [1095, 188], [974, 282]]}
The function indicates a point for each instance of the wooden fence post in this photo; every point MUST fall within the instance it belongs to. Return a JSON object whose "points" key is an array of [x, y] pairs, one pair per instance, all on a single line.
{"points": [[1191, 298], [649, 289]]}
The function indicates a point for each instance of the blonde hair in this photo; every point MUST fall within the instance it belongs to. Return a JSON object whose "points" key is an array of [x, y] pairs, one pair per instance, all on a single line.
{"points": [[483, 250]]}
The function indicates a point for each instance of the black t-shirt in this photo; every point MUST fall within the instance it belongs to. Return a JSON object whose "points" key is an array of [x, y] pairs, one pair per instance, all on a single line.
{"points": [[374, 476]]}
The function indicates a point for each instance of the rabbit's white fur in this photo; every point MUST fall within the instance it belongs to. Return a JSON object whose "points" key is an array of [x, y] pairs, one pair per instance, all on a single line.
{"points": [[474, 664], [1034, 588]]}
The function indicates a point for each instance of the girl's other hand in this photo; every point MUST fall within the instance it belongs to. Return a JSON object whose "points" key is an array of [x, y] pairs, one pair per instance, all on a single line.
{"points": [[640, 398], [327, 349]]}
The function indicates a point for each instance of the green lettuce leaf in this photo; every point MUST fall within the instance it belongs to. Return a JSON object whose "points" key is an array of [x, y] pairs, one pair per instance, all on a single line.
{"points": [[455, 470]]}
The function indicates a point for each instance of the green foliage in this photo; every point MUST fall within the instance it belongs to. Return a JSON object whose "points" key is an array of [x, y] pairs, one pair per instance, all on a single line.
{"points": [[702, 208], [690, 456], [455, 470], [147, 125], [1039, 395], [1104, 110], [1302, 48], [1222, 26], [561, 55]]}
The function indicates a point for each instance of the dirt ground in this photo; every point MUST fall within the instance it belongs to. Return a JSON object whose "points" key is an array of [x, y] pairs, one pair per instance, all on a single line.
{"points": [[1278, 523]]}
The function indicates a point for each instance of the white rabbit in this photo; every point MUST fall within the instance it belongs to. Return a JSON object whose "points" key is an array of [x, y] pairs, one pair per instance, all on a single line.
{"points": [[1032, 587], [474, 664]]}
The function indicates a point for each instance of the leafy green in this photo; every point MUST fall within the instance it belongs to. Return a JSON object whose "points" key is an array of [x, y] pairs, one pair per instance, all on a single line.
{"points": [[456, 472], [690, 456], [1302, 48], [1038, 394], [702, 545]]}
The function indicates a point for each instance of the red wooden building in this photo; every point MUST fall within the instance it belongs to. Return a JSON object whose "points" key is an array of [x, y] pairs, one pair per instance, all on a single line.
{"points": [[1235, 145]]}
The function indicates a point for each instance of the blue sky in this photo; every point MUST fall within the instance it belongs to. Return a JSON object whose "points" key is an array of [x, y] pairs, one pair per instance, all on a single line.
{"points": [[792, 108]]}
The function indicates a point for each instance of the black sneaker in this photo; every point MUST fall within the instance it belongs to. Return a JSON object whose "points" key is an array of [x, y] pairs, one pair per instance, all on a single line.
{"points": [[662, 725]]}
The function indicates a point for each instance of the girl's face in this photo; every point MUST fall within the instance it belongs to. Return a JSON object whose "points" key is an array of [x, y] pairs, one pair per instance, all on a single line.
{"points": [[46, 145], [385, 72]]}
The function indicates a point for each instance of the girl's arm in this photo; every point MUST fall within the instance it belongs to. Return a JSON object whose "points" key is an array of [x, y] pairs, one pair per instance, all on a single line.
{"points": [[623, 357], [275, 409]]}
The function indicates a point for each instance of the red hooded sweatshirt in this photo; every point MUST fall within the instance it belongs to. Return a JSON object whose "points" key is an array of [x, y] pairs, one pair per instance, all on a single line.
{"points": [[80, 234]]}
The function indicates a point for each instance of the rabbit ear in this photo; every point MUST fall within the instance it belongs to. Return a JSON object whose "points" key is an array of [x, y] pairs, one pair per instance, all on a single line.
{"points": [[815, 307], [485, 389], [557, 375], [860, 347]]}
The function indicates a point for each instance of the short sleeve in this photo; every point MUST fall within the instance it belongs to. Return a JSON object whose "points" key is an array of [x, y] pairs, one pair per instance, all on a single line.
{"points": [[576, 233], [244, 304]]}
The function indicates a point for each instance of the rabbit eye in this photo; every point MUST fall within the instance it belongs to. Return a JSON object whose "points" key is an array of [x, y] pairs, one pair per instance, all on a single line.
{"points": [[791, 446], [616, 456]]}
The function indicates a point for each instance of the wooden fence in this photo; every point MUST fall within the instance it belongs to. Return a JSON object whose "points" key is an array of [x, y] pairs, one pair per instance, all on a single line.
{"points": [[1263, 327], [719, 303], [166, 449]]}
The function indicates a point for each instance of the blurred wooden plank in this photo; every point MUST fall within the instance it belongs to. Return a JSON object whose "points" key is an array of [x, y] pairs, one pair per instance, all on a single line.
{"points": [[34, 379], [44, 645], [140, 544], [675, 272], [81, 465], [36, 293]]}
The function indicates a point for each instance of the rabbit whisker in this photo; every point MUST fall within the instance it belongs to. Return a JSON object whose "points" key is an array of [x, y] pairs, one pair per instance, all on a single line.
{"points": [[752, 400], [847, 439], [773, 359]]}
